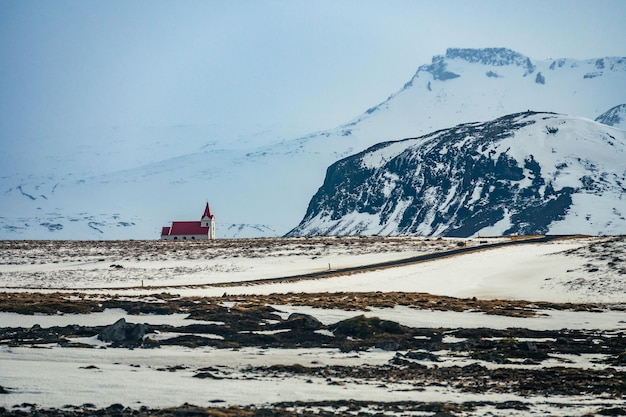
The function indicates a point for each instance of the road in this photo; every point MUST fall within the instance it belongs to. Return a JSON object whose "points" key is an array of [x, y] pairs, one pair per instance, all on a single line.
{"points": [[391, 264]]}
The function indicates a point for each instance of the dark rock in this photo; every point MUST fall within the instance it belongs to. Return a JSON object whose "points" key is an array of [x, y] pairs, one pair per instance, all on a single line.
{"points": [[136, 332], [363, 327], [207, 375], [512, 405], [388, 345], [303, 321], [540, 79], [474, 368], [115, 408], [422, 356], [188, 340], [528, 346], [123, 332], [115, 332], [616, 411]]}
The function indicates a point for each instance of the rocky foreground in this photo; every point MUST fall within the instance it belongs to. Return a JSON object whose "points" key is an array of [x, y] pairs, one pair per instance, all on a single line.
{"points": [[80, 335], [513, 361]]}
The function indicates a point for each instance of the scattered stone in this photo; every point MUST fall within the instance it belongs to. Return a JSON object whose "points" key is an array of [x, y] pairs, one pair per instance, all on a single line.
{"points": [[512, 405], [303, 321], [365, 327], [528, 346], [616, 411], [207, 375], [122, 332], [115, 408], [421, 356]]}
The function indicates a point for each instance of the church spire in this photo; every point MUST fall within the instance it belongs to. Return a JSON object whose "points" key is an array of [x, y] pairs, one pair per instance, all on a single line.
{"points": [[207, 212], [208, 220]]}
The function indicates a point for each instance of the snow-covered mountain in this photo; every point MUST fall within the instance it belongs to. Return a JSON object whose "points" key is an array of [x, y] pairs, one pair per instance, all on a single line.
{"points": [[117, 190], [525, 173], [615, 117]]}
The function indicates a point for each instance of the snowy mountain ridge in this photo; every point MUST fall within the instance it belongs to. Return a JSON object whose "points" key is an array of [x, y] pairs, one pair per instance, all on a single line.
{"points": [[498, 75], [488, 56], [615, 117], [265, 191], [525, 173]]}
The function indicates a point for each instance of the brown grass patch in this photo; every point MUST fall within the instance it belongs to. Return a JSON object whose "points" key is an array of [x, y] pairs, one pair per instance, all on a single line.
{"points": [[55, 303]]}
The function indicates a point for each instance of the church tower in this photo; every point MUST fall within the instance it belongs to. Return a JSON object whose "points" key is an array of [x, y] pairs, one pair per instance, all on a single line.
{"points": [[208, 220]]}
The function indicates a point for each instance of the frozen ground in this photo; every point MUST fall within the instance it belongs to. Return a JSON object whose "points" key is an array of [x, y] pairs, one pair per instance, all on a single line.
{"points": [[119, 264], [569, 270], [461, 356]]}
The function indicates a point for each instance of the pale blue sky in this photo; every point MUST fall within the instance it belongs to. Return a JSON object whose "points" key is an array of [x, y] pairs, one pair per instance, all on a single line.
{"points": [[299, 65]]}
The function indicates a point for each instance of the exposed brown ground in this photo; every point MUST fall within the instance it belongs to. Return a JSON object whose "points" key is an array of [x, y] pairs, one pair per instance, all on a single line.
{"points": [[53, 303]]}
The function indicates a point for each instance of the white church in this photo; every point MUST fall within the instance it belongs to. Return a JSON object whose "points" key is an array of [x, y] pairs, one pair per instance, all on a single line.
{"points": [[191, 230]]}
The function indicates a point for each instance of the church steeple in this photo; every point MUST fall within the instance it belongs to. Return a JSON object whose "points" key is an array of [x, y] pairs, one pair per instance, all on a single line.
{"points": [[207, 211], [208, 220]]}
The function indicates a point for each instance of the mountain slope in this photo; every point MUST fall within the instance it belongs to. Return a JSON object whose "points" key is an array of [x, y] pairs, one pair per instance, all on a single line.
{"points": [[113, 190], [468, 85], [524, 173], [615, 117]]}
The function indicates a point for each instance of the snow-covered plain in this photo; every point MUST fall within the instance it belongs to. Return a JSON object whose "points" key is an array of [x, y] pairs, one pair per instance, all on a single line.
{"points": [[582, 269], [543, 272]]}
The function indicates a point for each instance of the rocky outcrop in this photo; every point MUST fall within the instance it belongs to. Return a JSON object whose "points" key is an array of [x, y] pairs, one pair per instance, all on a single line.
{"points": [[615, 116], [522, 174], [124, 333], [303, 321]]}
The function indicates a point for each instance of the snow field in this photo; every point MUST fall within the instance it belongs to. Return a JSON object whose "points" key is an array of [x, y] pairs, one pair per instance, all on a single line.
{"points": [[53, 376]]}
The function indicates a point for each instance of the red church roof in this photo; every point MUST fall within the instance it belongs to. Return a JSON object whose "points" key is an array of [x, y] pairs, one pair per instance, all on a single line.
{"points": [[207, 211], [187, 228]]}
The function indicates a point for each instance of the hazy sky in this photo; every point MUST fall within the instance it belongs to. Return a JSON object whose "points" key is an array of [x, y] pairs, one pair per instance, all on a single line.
{"points": [[302, 65]]}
